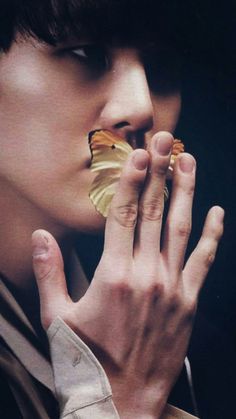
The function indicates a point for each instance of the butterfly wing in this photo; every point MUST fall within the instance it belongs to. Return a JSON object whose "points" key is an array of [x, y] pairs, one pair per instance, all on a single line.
{"points": [[109, 153]]}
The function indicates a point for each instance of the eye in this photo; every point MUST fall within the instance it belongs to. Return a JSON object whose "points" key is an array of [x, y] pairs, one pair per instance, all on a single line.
{"points": [[92, 55], [80, 52]]}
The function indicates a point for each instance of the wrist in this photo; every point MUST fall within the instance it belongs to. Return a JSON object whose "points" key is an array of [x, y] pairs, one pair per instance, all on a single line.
{"points": [[142, 404]]}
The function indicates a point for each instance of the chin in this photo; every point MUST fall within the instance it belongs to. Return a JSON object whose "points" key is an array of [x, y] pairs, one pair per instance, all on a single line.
{"points": [[78, 217], [96, 225], [90, 222]]}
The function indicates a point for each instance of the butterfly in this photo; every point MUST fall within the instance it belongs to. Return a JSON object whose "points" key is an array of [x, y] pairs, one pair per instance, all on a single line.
{"points": [[109, 153]]}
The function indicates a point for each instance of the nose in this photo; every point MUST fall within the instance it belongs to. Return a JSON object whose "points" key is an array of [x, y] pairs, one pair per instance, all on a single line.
{"points": [[128, 109]]}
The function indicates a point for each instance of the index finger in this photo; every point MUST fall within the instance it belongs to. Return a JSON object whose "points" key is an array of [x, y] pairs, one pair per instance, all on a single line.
{"points": [[122, 217]]}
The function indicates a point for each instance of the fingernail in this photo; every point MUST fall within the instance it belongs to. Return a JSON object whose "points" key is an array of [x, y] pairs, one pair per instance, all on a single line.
{"points": [[40, 244], [186, 163], [140, 160], [163, 145]]}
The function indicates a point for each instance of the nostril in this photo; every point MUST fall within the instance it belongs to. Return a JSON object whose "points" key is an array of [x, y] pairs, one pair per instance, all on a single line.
{"points": [[121, 125]]}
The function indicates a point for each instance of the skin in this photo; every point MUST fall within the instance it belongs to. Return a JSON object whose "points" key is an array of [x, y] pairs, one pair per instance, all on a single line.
{"points": [[63, 101], [45, 180]]}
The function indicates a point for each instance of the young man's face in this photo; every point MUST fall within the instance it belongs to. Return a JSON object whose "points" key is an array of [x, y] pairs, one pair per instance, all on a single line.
{"points": [[50, 99]]}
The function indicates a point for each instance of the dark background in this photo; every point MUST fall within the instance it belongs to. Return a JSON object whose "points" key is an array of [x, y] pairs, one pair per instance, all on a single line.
{"points": [[208, 128]]}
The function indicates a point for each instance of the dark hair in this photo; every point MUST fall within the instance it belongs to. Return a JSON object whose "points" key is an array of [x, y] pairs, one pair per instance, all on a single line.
{"points": [[52, 21], [165, 28]]}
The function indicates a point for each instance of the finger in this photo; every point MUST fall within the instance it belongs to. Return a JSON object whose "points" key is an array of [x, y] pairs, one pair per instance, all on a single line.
{"points": [[122, 217], [203, 256], [179, 219], [49, 274], [152, 200]]}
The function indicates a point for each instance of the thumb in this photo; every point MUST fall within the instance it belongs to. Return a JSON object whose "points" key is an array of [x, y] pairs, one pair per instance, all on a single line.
{"points": [[49, 273]]}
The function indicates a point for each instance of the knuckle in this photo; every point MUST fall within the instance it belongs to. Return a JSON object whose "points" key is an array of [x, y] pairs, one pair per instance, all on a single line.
{"points": [[161, 169], [190, 308], [110, 276], [121, 289], [126, 215], [154, 291], [190, 190], [149, 289], [151, 211], [175, 302], [209, 257], [207, 253], [183, 229], [179, 305]]}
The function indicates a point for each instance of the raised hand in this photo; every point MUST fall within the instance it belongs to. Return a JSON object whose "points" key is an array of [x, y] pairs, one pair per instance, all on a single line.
{"points": [[137, 314]]}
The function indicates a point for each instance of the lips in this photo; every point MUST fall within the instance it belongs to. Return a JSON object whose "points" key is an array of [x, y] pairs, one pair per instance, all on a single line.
{"points": [[109, 154]]}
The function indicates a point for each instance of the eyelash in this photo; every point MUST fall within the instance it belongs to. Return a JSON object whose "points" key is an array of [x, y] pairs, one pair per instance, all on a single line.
{"points": [[92, 55]]}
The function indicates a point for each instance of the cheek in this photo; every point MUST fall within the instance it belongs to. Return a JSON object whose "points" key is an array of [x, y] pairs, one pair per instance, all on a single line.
{"points": [[58, 189], [39, 105], [41, 166], [41, 94], [45, 120], [166, 112]]}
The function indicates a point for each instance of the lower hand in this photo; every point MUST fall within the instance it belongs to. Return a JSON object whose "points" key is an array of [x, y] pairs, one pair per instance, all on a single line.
{"points": [[137, 315]]}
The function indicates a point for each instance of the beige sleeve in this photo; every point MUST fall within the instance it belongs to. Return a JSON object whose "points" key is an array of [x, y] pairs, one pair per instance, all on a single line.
{"points": [[82, 387]]}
